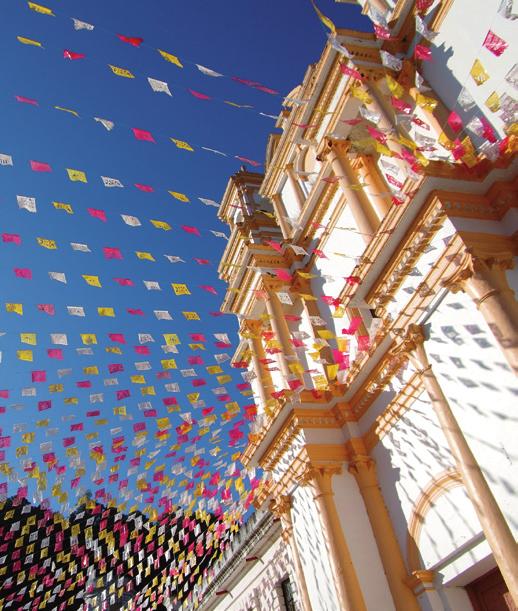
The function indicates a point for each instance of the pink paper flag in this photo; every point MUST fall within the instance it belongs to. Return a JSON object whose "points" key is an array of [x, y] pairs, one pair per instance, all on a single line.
{"points": [[145, 188], [253, 163], [454, 121], [355, 323], [97, 214], [124, 281], [12, 238], [495, 44], [117, 337], [40, 166], [39, 376], [142, 134], [20, 98], [135, 311], [55, 353], [197, 94], [283, 274], [193, 230], [67, 54], [134, 41], [423, 52], [112, 253], [23, 272], [48, 308]]}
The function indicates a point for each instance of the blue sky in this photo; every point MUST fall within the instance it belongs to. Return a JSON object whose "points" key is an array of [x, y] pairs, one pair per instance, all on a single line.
{"points": [[266, 42]]}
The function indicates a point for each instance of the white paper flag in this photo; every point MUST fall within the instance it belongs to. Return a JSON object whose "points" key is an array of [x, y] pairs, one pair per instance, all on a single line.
{"points": [[151, 285], [159, 86], [111, 182], [163, 315], [80, 247], [26, 203], [174, 259], [6, 159], [109, 125], [82, 25], [207, 71], [59, 339], [208, 202], [76, 310], [205, 148], [219, 234], [58, 276], [132, 221]]}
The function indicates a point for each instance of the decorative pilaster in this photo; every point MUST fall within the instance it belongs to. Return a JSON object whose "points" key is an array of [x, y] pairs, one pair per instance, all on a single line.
{"points": [[281, 508], [297, 189], [494, 524], [422, 584], [348, 587], [258, 356], [336, 154], [363, 467], [483, 279]]}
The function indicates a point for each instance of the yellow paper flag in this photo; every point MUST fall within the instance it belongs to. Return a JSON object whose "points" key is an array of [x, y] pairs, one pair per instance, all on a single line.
{"points": [[92, 280], [66, 207], [24, 355], [50, 244], [180, 289], [106, 312], [76, 175], [161, 225], [478, 73], [28, 338], [179, 196], [147, 256], [181, 144], [121, 72], [28, 41], [15, 308], [325, 20], [170, 58], [43, 10]]}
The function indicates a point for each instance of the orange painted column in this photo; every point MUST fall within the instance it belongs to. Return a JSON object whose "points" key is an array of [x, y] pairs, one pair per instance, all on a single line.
{"points": [[484, 280], [359, 204], [494, 525], [281, 507], [363, 467], [257, 354], [347, 585]]}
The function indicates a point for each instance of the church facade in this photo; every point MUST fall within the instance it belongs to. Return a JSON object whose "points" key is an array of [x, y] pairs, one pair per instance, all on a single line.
{"points": [[372, 270]]}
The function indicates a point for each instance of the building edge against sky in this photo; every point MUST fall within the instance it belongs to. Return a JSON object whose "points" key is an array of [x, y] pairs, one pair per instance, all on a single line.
{"points": [[372, 269]]}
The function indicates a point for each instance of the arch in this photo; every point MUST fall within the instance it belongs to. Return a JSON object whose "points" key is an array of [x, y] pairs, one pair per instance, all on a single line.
{"points": [[438, 486]]}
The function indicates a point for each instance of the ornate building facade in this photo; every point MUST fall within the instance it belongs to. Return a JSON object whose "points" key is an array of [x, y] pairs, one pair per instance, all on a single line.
{"points": [[372, 269]]}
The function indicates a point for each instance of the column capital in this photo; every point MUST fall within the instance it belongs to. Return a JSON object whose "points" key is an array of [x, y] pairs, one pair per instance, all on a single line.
{"points": [[420, 580], [281, 505], [319, 477], [477, 265], [411, 346], [251, 326], [332, 147]]}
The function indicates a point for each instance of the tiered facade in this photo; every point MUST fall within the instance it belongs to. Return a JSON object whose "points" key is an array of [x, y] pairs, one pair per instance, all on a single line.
{"points": [[372, 269]]}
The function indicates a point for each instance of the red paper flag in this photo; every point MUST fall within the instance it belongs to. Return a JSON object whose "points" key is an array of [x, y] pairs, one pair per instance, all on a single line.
{"points": [[202, 261], [381, 32], [495, 44], [39, 376], [209, 289], [454, 121], [48, 308], [135, 311], [20, 98], [23, 272], [197, 94], [39, 166], [134, 41], [97, 214], [67, 54], [117, 337], [356, 321], [282, 274], [124, 281], [112, 253], [12, 238], [400, 105], [423, 52], [142, 134], [347, 71], [253, 163], [145, 188], [193, 230]]}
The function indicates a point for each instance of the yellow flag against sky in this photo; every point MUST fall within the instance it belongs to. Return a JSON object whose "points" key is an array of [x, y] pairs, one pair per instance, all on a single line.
{"points": [[15, 308], [121, 72], [325, 20], [29, 41], [38, 8], [171, 58], [179, 196], [76, 175]]}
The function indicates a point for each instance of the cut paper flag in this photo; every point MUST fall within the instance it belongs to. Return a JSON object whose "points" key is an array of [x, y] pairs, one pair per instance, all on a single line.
{"points": [[141, 134], [159, 86], [6, 159], [181, 144], [82, 25], [109, 125], [29, 41], [495, 44], [172, 59], [325, 20], [208, 202], [207, 71], [197, 94], [23, 100], [478, 73], [39, 166], [121, 71], [134, 41], [67, 54], [111, 182], [26, 203], [76, 175], [38, 8]]}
